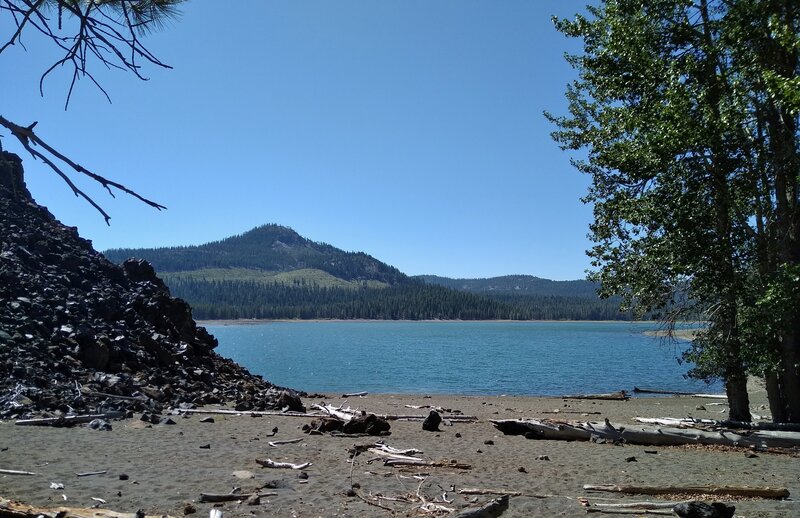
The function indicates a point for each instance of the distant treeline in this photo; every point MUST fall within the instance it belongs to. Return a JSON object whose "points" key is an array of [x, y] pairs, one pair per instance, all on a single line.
{"points": [[229, 299]]}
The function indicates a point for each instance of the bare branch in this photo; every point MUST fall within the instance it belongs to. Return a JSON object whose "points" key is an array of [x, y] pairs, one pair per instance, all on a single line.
{"points": [[28, 139]]}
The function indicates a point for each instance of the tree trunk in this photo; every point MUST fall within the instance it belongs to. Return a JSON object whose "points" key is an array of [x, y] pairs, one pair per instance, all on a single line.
{"points": [[790, 379], [777, 403], [738, 399]]}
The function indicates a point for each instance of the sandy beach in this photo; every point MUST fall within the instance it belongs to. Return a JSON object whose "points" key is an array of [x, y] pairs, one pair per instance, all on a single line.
{"points": [[163, 469]]}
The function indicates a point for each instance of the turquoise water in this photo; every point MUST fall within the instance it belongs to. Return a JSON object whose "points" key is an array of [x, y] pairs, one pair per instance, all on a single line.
{"points": [[477, 358]]}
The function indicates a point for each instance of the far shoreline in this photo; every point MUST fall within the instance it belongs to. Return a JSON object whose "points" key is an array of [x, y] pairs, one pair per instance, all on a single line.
{"points": [[257, 321]]}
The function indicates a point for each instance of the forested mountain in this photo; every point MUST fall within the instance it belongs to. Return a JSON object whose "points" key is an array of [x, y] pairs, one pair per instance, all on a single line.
{"points": [[272, 272], [270, 248]]}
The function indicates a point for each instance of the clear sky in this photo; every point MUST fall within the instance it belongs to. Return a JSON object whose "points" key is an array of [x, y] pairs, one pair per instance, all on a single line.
{"points": [[411, 130]]}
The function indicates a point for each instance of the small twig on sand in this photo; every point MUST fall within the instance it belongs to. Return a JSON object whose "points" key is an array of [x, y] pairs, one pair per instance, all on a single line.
{"points": [[90, 473]]}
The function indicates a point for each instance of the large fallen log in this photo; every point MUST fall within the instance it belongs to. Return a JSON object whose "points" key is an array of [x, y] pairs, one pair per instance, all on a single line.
{"points": [[68, 420], [739, 491], [612, 396], [648, 436], [249, 412], [416, 417], [631, 512], [736, 425], [637, 390], [11, 509]]}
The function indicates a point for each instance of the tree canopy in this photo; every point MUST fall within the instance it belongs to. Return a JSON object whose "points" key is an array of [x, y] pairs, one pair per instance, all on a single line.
{"points": [[688, 111]]}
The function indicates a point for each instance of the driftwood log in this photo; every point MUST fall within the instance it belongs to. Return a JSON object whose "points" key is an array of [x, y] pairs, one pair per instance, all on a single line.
{"points": [[639, 505], [13, 509], [16, 472], [224, 497], [741, 491], [275, 444], [269, 463], [478, 491], [632, 512], [637, 390], [427, 463], [713, 423], [249, 412], [67, 421], [645, 435], [612, 396]]}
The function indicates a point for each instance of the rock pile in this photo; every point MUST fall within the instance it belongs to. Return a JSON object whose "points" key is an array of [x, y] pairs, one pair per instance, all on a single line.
{"points": [[80, 334]]}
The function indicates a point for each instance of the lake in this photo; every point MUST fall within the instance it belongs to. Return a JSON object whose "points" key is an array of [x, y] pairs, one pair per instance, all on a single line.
{"points": [[471, 358]]}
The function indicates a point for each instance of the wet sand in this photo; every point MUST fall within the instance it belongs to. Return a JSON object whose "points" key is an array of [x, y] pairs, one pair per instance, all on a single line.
{"points": [[168, 467]]}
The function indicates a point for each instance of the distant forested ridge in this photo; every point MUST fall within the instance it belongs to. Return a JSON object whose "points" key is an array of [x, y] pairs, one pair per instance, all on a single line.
{"points": [[540, 299], [271, 272], [271, 248], [518, 285]]}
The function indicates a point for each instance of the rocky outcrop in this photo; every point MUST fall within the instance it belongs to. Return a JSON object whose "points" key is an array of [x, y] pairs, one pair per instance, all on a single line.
{"points": [[80, 334]]}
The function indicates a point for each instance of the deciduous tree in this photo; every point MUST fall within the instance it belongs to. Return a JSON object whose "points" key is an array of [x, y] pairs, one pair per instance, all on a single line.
{"points": [[694, 191]]}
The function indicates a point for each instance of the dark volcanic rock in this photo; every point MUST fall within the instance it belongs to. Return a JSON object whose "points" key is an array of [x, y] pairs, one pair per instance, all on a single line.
{"points": [[696, 509], [79, 334], [369, 424], [432, 422]]}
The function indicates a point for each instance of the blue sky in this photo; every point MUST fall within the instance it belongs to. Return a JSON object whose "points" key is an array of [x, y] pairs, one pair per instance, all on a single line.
{"points": [[411, 130]]}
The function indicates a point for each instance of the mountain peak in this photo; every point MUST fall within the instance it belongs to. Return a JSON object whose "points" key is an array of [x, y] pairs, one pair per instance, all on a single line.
{"points": [[271, 248]]}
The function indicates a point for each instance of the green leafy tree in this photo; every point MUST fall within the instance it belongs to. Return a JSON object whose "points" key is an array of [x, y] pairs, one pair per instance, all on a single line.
{"points": [[685, 186], [90, 33]]}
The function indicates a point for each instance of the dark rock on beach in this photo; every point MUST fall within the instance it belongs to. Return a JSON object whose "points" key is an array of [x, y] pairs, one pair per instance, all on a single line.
{"points": [[698, 509], [432, 422], [79, 334]]}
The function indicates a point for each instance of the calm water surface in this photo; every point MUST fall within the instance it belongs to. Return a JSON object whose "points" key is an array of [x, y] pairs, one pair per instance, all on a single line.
{"points": [[478, 358]]}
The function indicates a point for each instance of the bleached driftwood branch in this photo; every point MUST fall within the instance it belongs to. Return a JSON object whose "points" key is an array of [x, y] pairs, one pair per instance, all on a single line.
{"points": [[66, 421], [249, 412], [355, 394], [275, 444], [345, 414], [738, 425], [637, 390], [16, 472], [269, 463], [20, 510]]}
